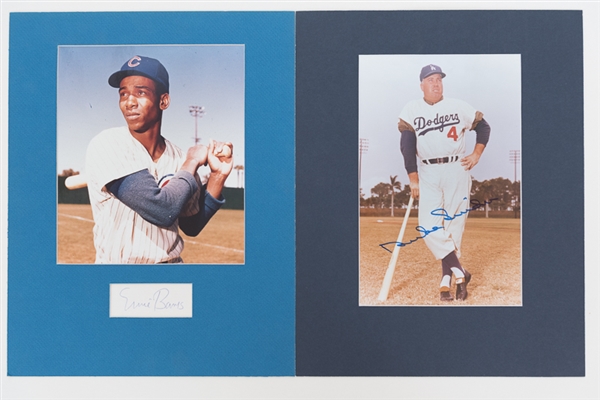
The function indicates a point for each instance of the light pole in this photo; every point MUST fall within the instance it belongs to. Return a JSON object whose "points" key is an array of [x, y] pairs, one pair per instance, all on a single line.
{"points": [[196, 112], [515, 158], [363, 147]]}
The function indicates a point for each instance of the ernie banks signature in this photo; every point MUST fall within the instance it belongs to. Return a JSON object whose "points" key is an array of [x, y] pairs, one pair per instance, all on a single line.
{"points": [[440, 212], [158, 301]]}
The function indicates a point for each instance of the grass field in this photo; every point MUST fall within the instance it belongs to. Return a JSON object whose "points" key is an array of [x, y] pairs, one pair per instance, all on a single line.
{"points": [[220, 242], [491, 252]]}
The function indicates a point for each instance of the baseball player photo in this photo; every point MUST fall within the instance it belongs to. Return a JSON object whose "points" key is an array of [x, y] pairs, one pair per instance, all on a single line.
{"points": [[148, 138], [439, 149]]}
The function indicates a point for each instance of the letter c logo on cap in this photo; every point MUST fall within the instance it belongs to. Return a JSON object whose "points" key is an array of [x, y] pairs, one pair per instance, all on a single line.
{"points": [[134, 62]]}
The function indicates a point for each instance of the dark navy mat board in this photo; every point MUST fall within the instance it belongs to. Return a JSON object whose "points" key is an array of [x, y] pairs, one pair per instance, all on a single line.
{"points": [[336, 337]]}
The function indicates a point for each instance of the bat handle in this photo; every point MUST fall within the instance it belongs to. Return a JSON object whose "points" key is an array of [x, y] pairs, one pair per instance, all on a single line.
{"points": [[76, 182]]}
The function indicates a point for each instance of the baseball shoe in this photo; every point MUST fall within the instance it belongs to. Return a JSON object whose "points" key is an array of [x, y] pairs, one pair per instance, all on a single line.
{"points": [[445, 294], [461, 288]]}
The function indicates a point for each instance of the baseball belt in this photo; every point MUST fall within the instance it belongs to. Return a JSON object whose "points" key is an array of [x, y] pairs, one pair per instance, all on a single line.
{"points": [[441, 160]]}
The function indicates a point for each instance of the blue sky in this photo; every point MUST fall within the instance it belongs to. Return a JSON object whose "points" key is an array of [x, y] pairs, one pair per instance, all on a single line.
{"points": [[211, 76], [490, 83]]}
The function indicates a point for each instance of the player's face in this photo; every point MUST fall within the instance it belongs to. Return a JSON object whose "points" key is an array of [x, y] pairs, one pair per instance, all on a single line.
{"points": [[433, 88], [140, 103]]}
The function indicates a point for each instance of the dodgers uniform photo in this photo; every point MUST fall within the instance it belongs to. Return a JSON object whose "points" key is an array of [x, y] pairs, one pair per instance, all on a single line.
{"points": [[433, 128], [439, 187]]}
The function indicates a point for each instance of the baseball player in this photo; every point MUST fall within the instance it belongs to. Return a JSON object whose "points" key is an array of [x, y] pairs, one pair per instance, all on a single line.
{"points": [[142, 187], [433, 128]]}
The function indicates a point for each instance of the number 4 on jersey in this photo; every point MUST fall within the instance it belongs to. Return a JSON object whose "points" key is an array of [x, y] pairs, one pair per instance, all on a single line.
{"points": [[452, 134]]}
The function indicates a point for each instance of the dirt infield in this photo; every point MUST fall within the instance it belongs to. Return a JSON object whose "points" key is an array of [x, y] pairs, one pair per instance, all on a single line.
{"points": [[221, 241], [491, 251]]}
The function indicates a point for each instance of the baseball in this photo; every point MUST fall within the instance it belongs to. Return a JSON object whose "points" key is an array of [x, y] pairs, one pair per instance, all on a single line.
{"points": [[225, 151]]}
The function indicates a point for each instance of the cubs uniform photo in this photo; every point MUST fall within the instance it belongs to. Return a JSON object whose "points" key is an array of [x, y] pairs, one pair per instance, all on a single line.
{"points": [[153, 184]]}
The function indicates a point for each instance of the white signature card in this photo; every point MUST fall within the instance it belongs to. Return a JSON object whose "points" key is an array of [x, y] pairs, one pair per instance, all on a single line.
{"points": [[150, 300]]}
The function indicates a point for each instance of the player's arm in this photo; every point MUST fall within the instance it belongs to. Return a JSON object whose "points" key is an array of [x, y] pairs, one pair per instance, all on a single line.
{"points": [[207, 207], [482, 130], [210, 196], [408, 147], [160, 206]]}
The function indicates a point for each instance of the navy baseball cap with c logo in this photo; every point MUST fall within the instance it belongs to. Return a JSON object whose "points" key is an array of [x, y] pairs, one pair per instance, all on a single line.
{"points": [[430, 70], [144, 66]]}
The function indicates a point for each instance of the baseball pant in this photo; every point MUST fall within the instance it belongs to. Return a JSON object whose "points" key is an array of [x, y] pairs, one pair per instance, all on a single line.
{"points": [[444, 193]]}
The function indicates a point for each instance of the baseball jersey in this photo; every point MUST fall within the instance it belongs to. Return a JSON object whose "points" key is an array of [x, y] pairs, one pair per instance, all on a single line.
{"points": [[439, 128], [122, 236]]}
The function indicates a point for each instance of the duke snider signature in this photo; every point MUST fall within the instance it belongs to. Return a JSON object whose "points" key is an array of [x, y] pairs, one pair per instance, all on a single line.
{"points": [[440, 212]]}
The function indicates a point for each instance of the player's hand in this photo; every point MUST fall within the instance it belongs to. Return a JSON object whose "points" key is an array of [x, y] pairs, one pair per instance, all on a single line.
{"points": [[414, 190], [220, 158], [414, 184], [470, 161], [197, 156]]}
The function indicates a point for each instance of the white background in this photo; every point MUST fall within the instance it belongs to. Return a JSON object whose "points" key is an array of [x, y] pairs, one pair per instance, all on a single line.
{"points": [[331, 388]]}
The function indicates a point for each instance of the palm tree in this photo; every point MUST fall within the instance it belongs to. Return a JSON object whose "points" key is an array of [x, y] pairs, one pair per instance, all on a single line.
{"points": [[238, 168], [394, 184]]}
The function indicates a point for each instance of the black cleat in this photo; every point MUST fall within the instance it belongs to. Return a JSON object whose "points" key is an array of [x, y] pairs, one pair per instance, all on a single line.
{"points": [[461, 286], [446, 296]]}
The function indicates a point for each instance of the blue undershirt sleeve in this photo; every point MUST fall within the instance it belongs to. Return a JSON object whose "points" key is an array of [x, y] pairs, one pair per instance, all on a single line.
{"points": [[194, 224], [483, 129], [159, 206], [408, 147]]}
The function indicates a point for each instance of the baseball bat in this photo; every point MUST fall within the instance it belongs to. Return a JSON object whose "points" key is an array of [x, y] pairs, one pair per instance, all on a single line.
{"points": [[76, 182], [389, 274]]}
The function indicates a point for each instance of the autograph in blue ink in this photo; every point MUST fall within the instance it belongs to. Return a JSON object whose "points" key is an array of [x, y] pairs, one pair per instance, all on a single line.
{"points": [[439, 212]]}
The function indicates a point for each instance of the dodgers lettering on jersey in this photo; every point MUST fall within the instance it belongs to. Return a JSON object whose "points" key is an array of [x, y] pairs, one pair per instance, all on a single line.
{"points": [[122, 236], [439, 123], [440, 128]]}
